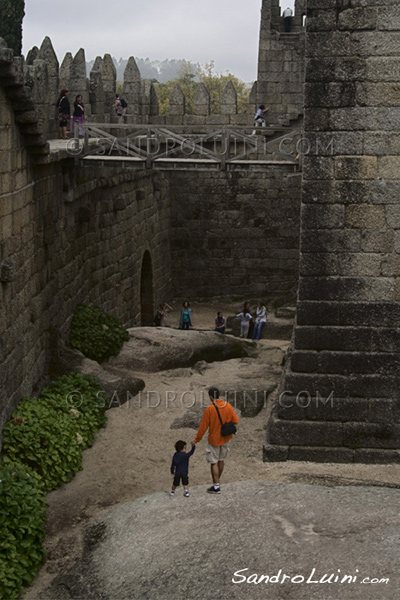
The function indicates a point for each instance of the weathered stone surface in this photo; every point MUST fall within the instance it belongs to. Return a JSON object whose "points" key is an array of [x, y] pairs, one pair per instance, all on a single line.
{"points": [[121, 554], [229, 99], [202, 100], [177, 101], [132, 88], [159, 348], [118, 389]]}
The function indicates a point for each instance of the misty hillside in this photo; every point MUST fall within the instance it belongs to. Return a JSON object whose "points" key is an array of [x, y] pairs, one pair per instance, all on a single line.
{"points": [[162, 70]]}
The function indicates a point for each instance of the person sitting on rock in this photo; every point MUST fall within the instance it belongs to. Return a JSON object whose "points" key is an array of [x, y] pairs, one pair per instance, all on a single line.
{"points": [[185, 320], [220, 323], [261, 319], [180, 467]]}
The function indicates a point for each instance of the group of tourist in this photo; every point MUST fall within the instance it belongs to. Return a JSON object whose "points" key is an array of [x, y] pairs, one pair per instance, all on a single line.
{"points": [[256, 322], [78, 116], [64, 114], [250, 325]]}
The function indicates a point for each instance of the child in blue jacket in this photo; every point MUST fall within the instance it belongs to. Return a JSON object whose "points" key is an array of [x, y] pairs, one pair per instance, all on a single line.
{"points": [[180, 467]]}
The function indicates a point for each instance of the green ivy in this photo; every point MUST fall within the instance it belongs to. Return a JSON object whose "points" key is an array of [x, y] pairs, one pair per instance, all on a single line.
{"points": [[95, 333], [22, 518]]}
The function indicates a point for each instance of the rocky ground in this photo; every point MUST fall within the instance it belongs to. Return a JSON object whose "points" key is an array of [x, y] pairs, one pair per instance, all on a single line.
{"points": [[131, 456]]}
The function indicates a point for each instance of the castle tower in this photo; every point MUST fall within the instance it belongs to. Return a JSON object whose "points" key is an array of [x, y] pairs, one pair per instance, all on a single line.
{"points": [[339, 399], [281, 64]]}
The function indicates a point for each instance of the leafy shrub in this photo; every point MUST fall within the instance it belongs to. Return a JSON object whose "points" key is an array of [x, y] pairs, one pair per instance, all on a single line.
{"points": [[45, 439], [42, 449], [48, 434], [95, 333], [22, 517], [80, 396]]}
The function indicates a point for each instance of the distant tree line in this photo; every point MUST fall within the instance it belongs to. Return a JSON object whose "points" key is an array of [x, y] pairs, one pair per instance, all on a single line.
{"points": [[191, 75], [156, 70]]}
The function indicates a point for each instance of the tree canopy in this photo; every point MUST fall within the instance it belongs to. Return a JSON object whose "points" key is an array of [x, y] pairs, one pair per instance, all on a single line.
{"points": [[189, 78], [11, 15]]}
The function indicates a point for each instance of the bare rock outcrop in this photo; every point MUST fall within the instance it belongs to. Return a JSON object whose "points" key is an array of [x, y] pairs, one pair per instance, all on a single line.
{"points": [[159, 348]]}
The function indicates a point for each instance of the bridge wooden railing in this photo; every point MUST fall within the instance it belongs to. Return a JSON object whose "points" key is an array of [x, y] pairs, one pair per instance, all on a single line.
{"points": [[155, 147]]}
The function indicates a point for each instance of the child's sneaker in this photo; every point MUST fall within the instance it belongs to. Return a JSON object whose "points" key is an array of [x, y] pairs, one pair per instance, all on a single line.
{"points": [[172, 493], [186, 493]]}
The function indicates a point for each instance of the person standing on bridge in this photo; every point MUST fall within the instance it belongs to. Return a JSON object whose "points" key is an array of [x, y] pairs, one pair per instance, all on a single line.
{"points": [[64, 114], [218, 414], [78, 115]]}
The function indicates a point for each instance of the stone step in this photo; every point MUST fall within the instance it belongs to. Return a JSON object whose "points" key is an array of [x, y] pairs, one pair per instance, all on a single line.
{"points": [[286, 312], [334, 454]]}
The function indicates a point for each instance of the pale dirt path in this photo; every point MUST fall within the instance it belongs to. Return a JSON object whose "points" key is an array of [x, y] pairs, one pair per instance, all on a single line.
{"points": [[131, 457]]}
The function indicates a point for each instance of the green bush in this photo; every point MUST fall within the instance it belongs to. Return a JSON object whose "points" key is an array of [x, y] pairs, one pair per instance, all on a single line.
{"points": [[44, 439], [95, 333], [22, 518], [42, 446], [48, 434], [80, 396]]}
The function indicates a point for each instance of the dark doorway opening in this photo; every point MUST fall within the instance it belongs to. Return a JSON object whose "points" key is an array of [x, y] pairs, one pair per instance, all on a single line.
{"points": [[146, 291]]}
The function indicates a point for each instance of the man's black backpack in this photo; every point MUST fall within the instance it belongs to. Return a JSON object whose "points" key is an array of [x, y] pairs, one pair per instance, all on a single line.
{"points": [[123, 103], [157, 319]]}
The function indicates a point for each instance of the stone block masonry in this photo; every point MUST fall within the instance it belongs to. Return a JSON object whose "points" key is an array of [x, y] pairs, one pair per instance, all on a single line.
{"points": [[69, 236], [340, 394], [235, 234]]}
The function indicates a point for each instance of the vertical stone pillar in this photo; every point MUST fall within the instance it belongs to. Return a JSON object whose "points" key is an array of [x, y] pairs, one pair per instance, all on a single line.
{"points": [[229, 100], [132, 91], [253, 99], [78, 81], [202, 101], [65, 72], [176, 105], [109, 76], [154, 102], [96, 94], [52, 80], [339, 399]]}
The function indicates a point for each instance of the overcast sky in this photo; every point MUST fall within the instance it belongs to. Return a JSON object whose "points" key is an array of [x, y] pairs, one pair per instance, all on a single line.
{"points": [[225, 31]]}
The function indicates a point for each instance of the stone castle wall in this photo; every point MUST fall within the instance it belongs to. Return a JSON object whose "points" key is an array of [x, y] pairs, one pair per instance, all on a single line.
{"points": [[69, 236], [235, 234]]}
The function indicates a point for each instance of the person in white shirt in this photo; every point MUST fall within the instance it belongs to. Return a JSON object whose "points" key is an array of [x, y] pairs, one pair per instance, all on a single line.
{"points": [[261, 319], [245, 318], [259, 117], [287, 19]]}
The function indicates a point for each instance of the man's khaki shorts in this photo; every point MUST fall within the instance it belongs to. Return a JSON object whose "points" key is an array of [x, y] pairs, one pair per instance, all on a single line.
{"points": [[216, 453]]}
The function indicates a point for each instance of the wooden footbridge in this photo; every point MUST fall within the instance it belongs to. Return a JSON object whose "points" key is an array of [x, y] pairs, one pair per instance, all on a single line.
{"points": [[185, 147]]}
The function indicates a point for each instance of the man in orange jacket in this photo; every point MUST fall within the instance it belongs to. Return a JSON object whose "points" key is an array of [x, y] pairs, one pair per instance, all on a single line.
{"points": [[217, 447]]}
